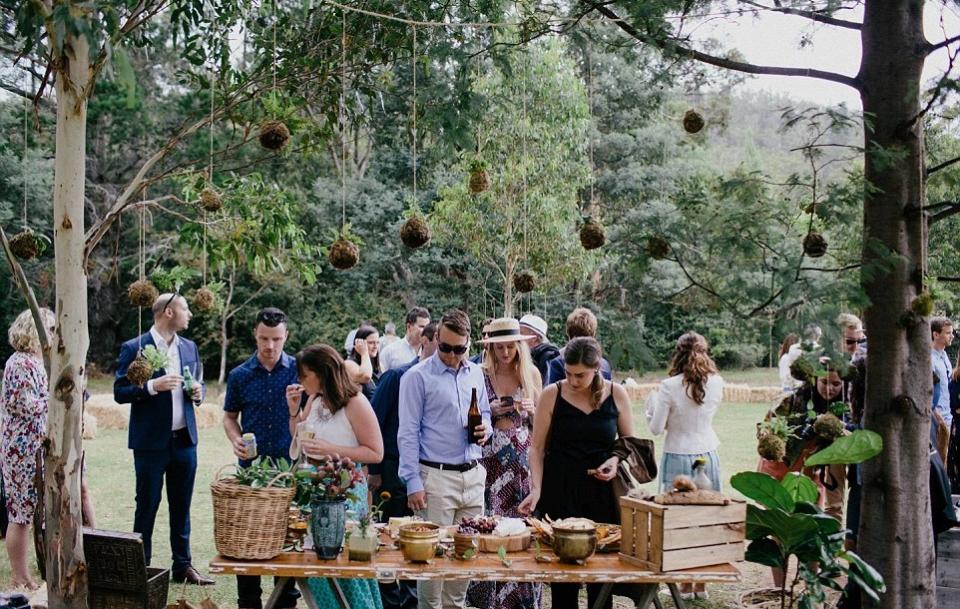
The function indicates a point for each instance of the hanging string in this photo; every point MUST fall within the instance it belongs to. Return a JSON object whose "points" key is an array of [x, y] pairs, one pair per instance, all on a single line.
{"points": [[26, 148], [143, 262], [343, 134], [413, 62], [526, 159], [203, 257], [590, 124], [274, 54]]}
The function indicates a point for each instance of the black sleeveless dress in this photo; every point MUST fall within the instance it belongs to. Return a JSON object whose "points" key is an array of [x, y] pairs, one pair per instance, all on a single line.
{"points": [[578, 442]]}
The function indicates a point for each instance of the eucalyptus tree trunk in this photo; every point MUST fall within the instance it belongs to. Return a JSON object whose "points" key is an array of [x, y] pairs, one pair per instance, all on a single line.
{"points": [[66, 568], [895, 530]]}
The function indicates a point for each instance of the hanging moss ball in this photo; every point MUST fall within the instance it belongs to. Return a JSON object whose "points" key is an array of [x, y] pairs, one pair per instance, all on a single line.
{"points": [[772, 447], [657, 247], [814, 245], [204, 299], [274, 135], [693, 122], [802, 370], [142, 293], [26, 244], [139, 371], [828, 427], [344, 254], [415, 232], [524, 281], [210, 200], [923, 304], [592, 235], [479, 180]]}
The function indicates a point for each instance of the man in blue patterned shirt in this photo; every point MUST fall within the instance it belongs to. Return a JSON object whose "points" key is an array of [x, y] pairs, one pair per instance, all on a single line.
{"points": [[256, 402]]}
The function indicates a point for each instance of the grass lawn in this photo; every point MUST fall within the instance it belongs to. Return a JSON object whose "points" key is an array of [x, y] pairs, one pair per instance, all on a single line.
{"points": [[111, 479]]}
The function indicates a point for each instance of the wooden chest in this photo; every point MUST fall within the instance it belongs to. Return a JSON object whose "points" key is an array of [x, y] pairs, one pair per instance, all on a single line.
{"points": [[671, 537], [948, 568]]}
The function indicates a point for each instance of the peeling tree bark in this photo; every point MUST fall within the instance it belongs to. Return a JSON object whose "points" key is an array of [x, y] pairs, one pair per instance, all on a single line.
{"points": [[895, 530], [66, 567]]}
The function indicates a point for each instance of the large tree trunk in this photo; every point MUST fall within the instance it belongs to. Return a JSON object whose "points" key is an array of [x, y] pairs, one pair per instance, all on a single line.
{"points": [[895, 530], [66, 569]]}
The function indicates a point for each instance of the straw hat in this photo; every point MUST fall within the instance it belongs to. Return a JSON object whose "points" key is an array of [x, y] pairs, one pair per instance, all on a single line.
{"points": [[504, 330]]}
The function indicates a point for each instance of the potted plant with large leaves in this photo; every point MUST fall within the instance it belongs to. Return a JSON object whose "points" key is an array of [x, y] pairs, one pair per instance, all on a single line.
{"points": [[785, 525]]}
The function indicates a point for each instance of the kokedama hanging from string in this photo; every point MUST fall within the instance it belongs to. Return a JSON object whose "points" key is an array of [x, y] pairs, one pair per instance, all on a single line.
{"points": [[204, 299], [693, 122], [657, 247], [142, 293], [814, 245], [592, 235], [415, 232], [27, 244], [479, 178], [344, 254], [524, 281], [210, 200]]}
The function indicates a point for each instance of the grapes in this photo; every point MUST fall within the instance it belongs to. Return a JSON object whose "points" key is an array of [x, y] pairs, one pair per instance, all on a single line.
{"points": [[483, 525]]}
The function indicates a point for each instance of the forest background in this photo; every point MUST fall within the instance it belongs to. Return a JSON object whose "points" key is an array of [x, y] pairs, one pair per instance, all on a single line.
{"points": [[704, 231]]}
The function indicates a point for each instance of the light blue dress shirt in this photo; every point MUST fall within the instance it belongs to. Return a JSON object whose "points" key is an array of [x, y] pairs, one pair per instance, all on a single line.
{"points": [[434, 400], [942, 368]]}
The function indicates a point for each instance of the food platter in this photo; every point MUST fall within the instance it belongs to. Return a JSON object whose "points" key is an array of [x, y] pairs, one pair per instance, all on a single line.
{"points": [[511, 543]]}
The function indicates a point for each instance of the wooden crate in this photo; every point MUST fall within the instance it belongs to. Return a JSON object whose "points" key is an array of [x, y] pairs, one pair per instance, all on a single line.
{"points": [[948, 569], [672, 537]]}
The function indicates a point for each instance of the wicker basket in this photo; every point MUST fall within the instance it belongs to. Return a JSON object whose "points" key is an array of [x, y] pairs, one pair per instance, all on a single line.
{"points": [[249, 523]]}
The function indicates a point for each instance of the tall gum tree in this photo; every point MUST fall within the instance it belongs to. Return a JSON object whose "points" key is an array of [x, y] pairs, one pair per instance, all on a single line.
{"points": [[895, 532]]}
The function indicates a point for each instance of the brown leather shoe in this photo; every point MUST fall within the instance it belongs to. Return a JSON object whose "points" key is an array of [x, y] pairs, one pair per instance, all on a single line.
{"points": [[192, 576]]}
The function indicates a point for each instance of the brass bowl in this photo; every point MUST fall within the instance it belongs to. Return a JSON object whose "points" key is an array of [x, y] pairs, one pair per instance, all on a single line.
{"points": [[418, 541], [574, 545]]}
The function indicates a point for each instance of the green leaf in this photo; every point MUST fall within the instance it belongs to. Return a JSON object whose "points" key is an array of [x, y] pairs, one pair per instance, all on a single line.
{"points": [[766, 552], [764, 489], [868, 574], [125, 76], [800, 487], [859, 446], [791, 529]]}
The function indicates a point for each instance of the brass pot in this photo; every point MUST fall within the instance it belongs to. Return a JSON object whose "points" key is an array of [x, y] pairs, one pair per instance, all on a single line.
{"points": [[418, 541], [573, 545]]}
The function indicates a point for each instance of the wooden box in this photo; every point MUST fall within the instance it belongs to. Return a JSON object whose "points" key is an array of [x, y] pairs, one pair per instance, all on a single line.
{"points": [[118, 575], [948, 568], [673, 537]]}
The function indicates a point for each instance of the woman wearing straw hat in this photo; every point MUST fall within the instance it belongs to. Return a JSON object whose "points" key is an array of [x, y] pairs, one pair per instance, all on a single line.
{"points": [[513, 387]]}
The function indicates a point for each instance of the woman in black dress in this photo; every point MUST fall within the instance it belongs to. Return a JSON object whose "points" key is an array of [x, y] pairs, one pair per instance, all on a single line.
{"points": [[576, 423]]}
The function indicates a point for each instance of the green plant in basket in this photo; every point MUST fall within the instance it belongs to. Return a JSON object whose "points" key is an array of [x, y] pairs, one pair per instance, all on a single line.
{"points": [[786, 524], [262, 471]]}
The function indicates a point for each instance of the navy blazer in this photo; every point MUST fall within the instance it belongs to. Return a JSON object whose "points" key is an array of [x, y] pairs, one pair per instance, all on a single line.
{"points": [[151, 416]]}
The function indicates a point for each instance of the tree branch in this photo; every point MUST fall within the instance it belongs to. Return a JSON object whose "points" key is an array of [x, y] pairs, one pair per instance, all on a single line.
{"points": [[729, 64], [952, 210], [811, 15], [942, 44], [943, 165]]}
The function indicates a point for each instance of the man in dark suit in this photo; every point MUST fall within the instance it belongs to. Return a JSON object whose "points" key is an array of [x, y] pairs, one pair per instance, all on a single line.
{"points": [[163, 430]]}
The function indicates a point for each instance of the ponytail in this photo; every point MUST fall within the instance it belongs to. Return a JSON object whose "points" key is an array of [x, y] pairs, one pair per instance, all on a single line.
{"points": [[596, 389]]}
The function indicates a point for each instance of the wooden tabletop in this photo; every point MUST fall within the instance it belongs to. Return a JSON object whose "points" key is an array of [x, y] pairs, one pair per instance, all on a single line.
{"points": [[390, 565]]}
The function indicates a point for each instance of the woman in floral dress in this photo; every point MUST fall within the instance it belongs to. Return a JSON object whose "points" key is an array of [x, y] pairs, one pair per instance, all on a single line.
{"points": [[23, 423], [513, 387]]}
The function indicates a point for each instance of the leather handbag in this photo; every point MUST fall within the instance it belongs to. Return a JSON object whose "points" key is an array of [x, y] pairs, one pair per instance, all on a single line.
{"points": [[638, 464]]}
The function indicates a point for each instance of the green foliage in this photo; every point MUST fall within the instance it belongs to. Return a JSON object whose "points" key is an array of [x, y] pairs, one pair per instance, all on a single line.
{"points": [[172, 279], [859, 446], [537, 164], [786, 525], [156, 359], [265, 470]]}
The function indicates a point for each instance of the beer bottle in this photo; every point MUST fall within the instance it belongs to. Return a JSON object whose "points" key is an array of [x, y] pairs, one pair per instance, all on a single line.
{"points": [[474, 418]]}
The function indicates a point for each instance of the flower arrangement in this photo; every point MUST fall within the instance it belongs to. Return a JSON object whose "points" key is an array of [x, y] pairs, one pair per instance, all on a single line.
{"points": [[373, 515], [334, 479]]}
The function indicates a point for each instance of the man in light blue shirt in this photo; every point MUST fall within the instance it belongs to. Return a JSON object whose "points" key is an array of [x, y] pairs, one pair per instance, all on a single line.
{"points": [[438, 464], [941, 333]]}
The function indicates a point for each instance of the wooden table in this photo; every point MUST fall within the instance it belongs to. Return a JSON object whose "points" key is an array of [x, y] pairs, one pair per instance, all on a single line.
{"points": [[389, 565]]}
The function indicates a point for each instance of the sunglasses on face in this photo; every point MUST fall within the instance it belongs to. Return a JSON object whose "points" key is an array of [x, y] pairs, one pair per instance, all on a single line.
{"points": [[271, 318], [855, 341], [448, 348]]}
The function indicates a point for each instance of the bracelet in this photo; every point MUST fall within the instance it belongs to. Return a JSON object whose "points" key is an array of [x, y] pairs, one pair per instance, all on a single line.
{"points": [[295, 416]]}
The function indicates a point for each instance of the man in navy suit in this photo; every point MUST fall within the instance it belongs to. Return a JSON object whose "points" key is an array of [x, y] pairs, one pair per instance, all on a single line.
{"points": [[163, 430]]}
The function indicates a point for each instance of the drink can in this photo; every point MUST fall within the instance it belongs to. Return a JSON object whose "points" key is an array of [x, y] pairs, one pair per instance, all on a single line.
{"points": [[250, 445]]}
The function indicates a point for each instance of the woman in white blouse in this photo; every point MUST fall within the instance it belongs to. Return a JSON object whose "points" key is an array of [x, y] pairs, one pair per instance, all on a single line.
{"points": [[684, 408]]}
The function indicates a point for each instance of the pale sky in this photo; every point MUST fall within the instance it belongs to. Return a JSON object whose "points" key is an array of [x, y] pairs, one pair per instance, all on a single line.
{"points": [[775, 40]]}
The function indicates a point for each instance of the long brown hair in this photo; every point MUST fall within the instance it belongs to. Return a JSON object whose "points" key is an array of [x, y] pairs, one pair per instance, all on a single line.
{"points": [[326, 363], [586, 351], [691, 359]]}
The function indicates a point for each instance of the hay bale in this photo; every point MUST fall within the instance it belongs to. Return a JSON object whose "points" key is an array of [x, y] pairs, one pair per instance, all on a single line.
{"points": [[765, 394], [736, 392], [638, 392], [209, 415], [89, 426], [108, 413]]}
